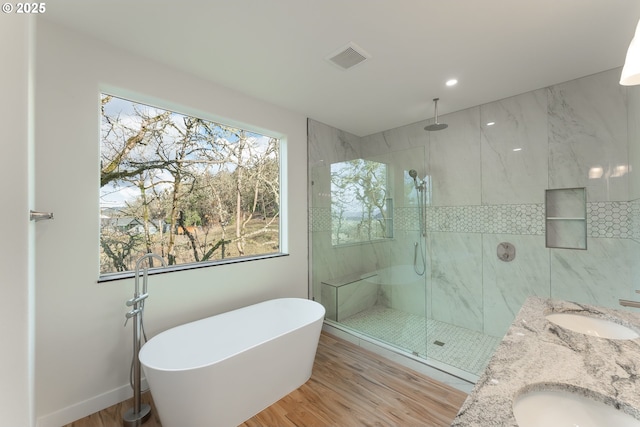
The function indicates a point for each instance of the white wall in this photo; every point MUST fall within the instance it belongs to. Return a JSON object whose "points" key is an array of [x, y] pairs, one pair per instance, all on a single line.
{"points": [[83, 352], [16, 284]]}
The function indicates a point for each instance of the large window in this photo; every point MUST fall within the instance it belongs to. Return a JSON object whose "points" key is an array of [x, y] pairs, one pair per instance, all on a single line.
{"points": [[360, 202], [188, 189]]}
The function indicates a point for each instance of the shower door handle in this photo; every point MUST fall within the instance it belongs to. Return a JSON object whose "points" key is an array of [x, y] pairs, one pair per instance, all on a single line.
{"points": [[39, 216]]}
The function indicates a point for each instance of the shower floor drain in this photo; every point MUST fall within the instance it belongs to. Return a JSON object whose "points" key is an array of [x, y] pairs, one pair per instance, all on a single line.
{"points": [[440, 343]]}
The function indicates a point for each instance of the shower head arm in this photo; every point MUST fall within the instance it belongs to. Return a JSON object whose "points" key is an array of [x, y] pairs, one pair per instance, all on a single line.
{"points": [[436, 126]]}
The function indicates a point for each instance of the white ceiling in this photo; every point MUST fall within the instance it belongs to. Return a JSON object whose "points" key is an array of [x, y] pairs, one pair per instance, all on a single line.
{"points": [[275, 50]]}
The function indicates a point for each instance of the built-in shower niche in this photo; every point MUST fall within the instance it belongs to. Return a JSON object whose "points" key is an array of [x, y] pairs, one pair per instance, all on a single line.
{"points": [[566, 218], [361, 203]]}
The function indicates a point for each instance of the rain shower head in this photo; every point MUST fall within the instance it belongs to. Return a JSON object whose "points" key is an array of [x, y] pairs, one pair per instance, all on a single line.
{"points": [[436, 126]]}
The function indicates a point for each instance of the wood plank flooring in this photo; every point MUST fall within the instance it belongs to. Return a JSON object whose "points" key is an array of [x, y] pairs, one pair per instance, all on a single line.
{"points": [[350, 386]]}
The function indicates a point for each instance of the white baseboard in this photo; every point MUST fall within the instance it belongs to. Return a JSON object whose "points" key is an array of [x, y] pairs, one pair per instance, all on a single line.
{"points": [[87, 407]]}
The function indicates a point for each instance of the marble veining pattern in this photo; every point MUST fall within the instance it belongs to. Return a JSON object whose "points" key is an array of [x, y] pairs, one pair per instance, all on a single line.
{"points": [[345, 146], [600, 275], [454, 160], [587, 138], [529, 270], [456, 280], [537, 354], [514, 149], [590, 140]]}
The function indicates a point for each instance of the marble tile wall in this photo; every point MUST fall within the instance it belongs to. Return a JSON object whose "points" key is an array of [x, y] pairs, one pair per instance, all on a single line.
{"points": [[588, 144], [514, 149], [507, 284], [583, 133], [456, 278], [633, 126], [454, 158]]}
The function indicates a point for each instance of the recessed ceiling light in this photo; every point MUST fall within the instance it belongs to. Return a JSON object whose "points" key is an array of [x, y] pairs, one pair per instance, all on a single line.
{"points": [[517, 149], [491, 123], [451, 82]]}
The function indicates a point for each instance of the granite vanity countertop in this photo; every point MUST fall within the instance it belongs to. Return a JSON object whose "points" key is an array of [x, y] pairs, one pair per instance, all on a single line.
{"points": [[536, 354]]}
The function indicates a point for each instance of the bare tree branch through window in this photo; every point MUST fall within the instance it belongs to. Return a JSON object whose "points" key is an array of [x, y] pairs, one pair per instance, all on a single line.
{"points": [[189, 189]]}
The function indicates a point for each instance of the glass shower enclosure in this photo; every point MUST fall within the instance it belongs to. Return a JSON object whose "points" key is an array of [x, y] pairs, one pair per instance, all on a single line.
{"points": [[370, 252]]}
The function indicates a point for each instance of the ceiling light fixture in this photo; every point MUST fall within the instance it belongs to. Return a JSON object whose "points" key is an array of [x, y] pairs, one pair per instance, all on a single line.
{"points": [[631, 70], [451, 82], [491, 123]]}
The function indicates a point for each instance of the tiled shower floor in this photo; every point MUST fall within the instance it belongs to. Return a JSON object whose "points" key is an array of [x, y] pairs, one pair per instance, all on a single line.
{"points": [[464, 349]]}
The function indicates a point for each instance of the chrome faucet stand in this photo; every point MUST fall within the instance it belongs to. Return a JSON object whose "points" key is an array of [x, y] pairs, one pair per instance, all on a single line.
{"points": [[140, 413]]}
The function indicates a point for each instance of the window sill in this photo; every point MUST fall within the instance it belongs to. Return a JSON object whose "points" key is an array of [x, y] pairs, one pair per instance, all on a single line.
{"points": [[111, 277]]}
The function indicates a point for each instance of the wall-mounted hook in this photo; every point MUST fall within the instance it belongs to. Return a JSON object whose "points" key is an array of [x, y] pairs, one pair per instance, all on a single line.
{"points": [[39, 216]]}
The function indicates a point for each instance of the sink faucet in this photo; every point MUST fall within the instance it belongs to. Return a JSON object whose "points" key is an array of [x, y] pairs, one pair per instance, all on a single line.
{"points": [[629, 303]]}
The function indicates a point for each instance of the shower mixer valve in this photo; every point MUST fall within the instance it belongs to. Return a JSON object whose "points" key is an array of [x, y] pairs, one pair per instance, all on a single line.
{"points": [[506, 252], [137, 299], [130, 314]]}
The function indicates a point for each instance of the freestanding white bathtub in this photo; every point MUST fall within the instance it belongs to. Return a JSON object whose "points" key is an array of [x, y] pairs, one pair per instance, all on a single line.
{"points": [[222, 370]]}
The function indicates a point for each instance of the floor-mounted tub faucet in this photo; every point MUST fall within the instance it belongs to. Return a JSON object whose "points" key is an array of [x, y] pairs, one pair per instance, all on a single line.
{"points": [[140, 412]]}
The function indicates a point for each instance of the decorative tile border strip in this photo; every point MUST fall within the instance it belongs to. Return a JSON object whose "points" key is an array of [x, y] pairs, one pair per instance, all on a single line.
{"points": [[609, 219], [405, 219], [634, 207], [604, 219], [320, 219], [510, 219]]}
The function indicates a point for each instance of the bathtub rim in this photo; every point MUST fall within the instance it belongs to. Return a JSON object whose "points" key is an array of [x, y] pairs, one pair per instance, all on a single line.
{"points": [[311, 303]]}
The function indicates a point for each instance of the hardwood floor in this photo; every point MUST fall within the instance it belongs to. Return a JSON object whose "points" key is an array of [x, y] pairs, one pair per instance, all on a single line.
{"points": [[112, 416], [350, 386]]}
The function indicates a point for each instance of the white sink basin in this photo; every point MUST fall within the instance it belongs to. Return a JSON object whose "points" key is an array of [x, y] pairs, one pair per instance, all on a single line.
{"points": [[593, 326], [562, 408]]}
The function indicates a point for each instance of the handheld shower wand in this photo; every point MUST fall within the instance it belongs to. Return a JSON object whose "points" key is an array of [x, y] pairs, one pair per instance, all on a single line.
{"points": [[414, 174], [417, 247]]}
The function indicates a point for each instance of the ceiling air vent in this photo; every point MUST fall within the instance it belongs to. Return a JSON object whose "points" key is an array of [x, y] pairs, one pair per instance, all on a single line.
{"points": [[349, 56]]}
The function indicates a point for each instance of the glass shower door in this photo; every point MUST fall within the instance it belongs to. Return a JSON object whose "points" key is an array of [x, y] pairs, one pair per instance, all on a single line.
{"points": [[368, 252]]}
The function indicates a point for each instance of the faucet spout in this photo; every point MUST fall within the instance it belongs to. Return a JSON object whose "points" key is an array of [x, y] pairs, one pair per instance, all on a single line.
{"points": [[628, 303], [149, 256], [146, 257]]}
